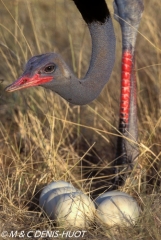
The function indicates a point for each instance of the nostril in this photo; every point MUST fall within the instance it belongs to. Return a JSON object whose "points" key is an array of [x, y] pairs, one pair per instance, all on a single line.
{"points": [[24, 81]]}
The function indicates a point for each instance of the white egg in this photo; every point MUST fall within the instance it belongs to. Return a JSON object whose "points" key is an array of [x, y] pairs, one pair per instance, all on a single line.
{"points": [[49, 188], [50, 201], [117, 208], [72, 209], [102, 197]]}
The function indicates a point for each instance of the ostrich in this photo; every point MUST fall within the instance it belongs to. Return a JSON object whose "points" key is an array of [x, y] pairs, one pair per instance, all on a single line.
{"points": [[51, 72]]}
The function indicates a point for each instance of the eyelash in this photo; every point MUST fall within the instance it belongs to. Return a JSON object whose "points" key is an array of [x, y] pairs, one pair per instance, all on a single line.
{"points": [[49, 69]]}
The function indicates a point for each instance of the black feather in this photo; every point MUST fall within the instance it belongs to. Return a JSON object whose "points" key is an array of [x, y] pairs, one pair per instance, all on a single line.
{"points": [[93, 10]]}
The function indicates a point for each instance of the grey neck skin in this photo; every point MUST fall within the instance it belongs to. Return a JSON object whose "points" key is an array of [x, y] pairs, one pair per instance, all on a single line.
{"points": [[82, 91]]}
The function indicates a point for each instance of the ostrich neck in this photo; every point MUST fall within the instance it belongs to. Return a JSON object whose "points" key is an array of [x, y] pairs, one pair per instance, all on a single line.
{"points": [[82, 91], [103, 53]]}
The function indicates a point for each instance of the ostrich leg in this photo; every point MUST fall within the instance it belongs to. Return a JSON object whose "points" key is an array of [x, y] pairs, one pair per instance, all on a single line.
{"points": [[128, 13]]}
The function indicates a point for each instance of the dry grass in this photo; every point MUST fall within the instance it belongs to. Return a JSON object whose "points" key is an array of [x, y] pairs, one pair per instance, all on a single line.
{"points": [[43, 138]]}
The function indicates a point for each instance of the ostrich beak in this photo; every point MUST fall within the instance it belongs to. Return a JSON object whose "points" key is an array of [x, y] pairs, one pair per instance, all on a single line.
{"points": [[26, 82]]}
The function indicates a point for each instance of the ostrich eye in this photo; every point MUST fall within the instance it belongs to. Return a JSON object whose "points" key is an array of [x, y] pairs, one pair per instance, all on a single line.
{"points": [[49, 68]]}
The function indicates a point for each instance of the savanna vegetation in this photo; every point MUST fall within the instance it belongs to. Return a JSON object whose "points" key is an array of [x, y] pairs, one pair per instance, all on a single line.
{"points": [[43, 138]]}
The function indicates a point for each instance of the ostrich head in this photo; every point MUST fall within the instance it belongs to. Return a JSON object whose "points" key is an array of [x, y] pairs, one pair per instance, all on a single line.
{"points": [[42, 70]]}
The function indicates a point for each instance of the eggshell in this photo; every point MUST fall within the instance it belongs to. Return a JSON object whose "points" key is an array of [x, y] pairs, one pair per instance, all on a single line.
{"points": [[117, 208], [49, 188], [72, 209]]}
